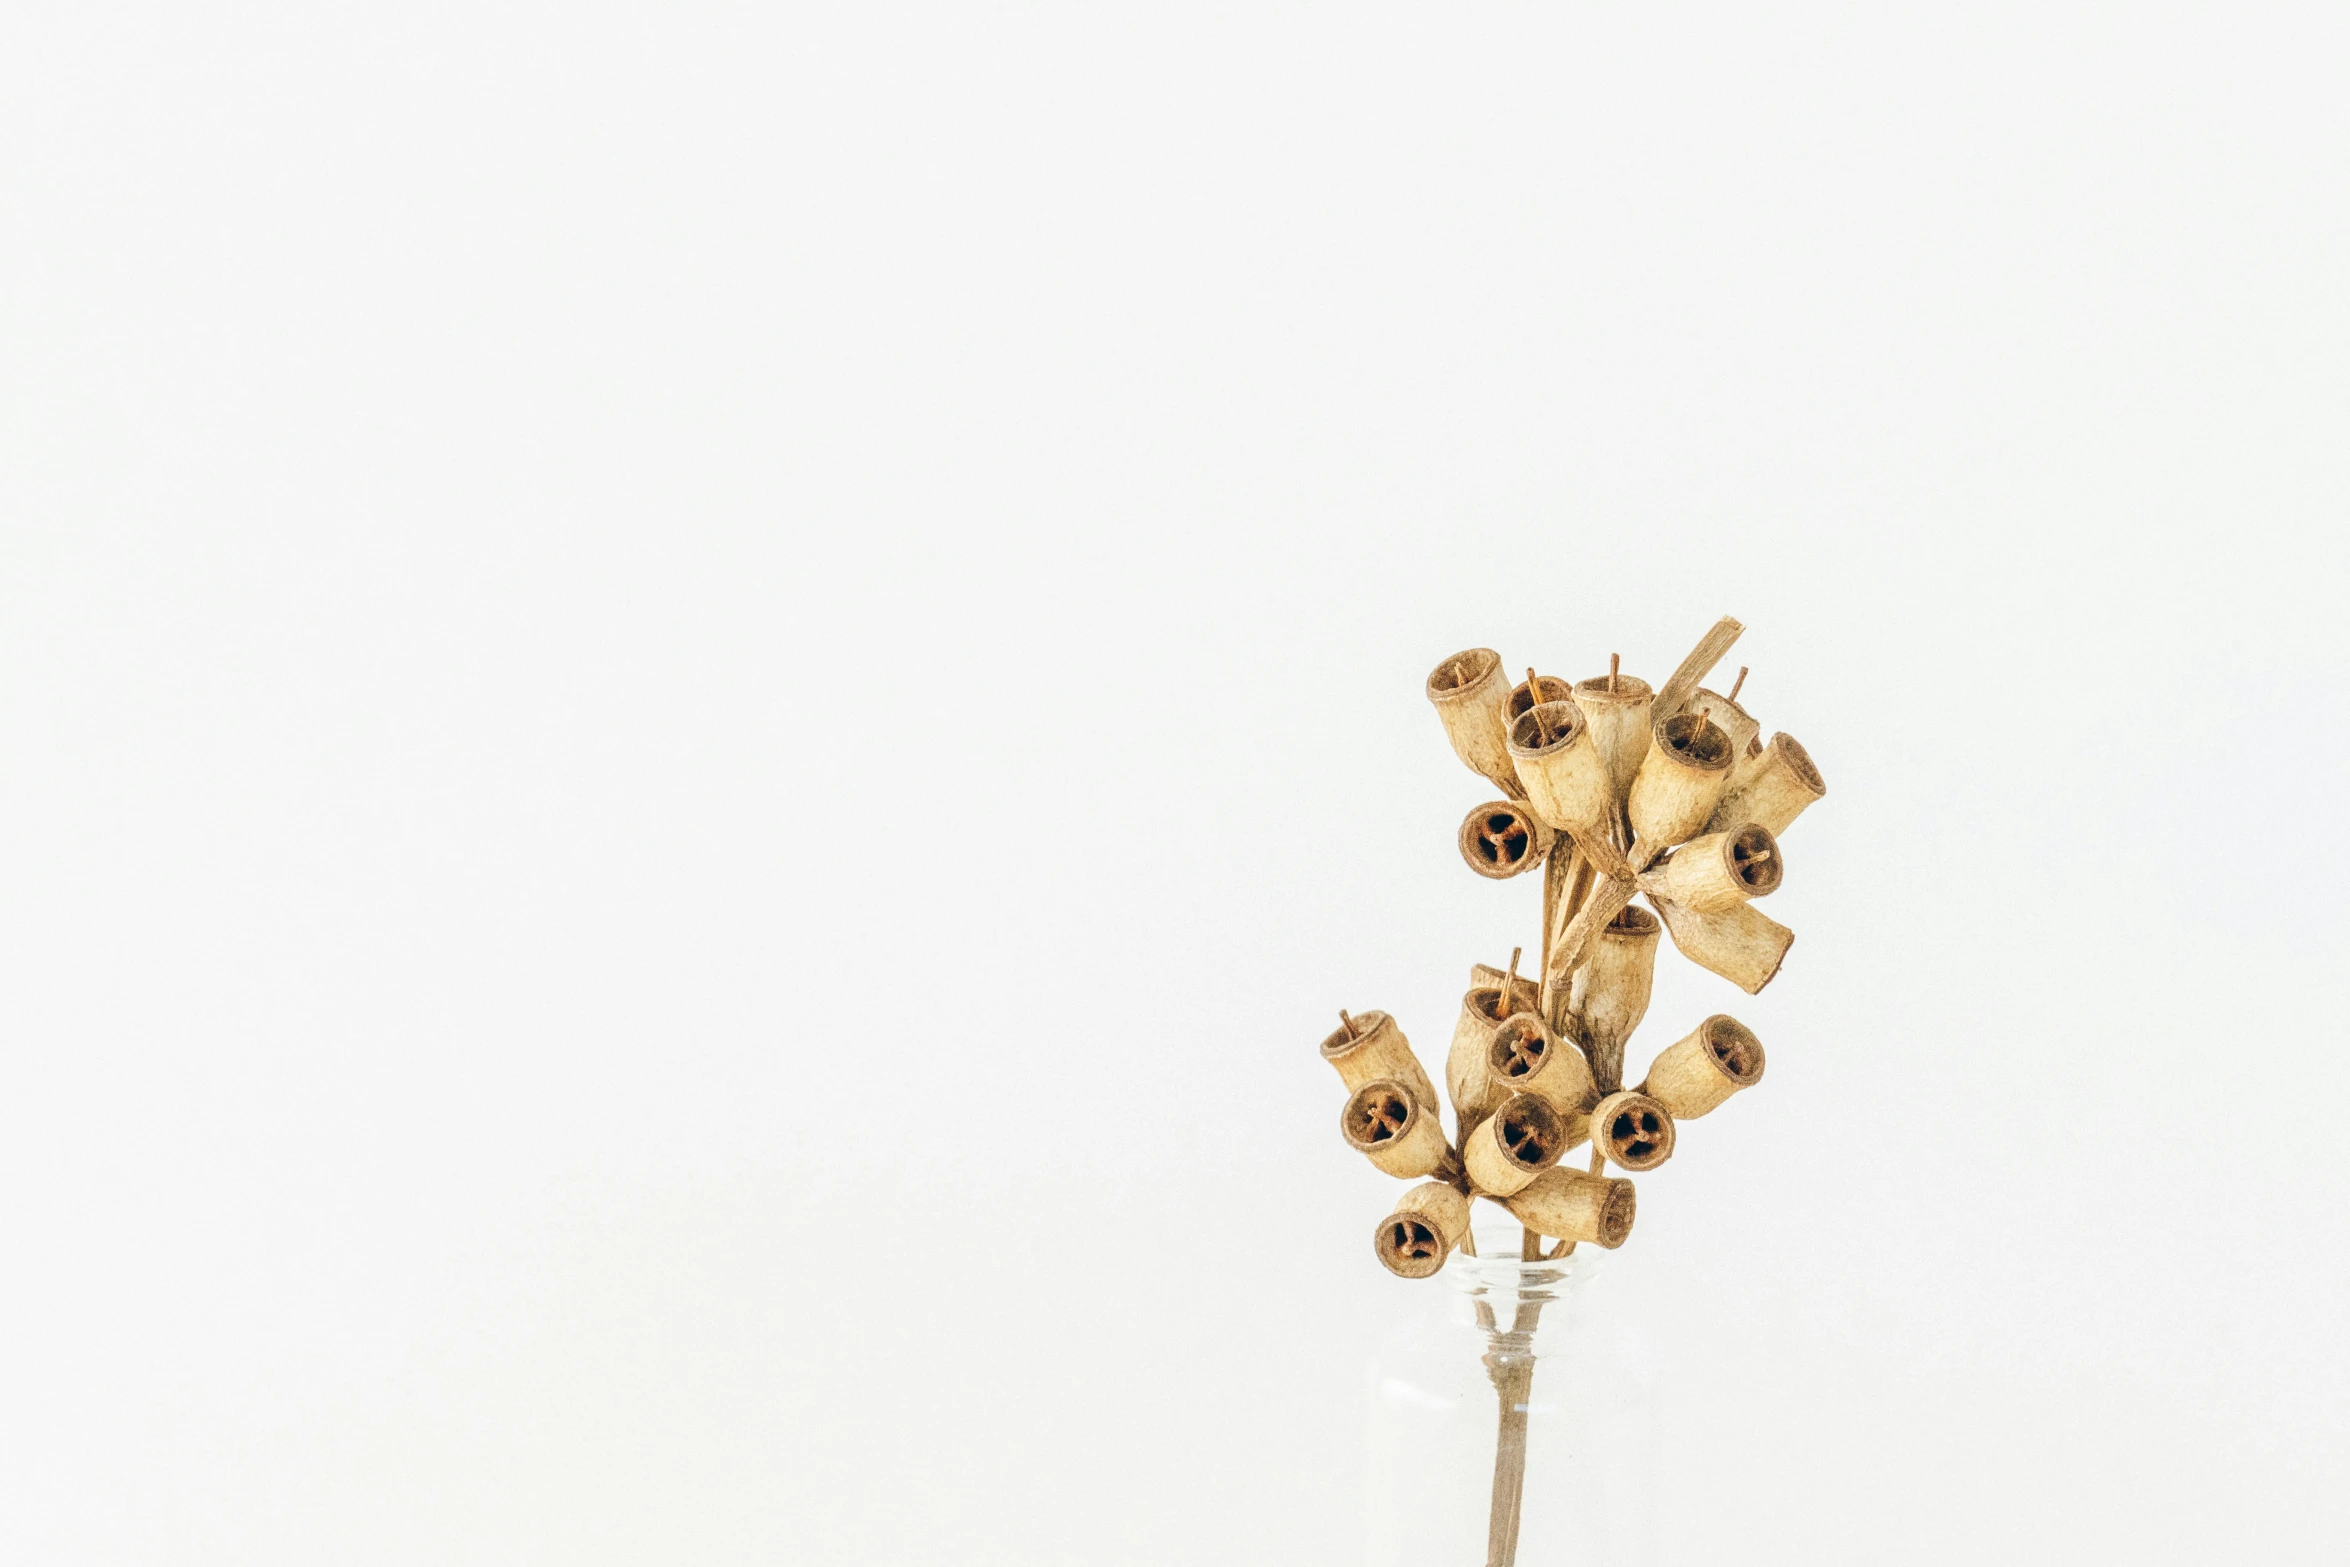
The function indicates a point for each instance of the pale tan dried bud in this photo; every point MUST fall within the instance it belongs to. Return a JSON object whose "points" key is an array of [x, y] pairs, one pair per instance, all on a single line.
{"points": [[1565, 777], [1619, 722], [1680, 780], [1718, 871], [1395, 1129], [1520, 1140], [1610, 990], [1470, 694], [1743, 944], [1574, 1205], [1694, 1075], [1525, 1057], [1473, 1093], [1369, 1046], [1414, 1240], [1781, 785]]}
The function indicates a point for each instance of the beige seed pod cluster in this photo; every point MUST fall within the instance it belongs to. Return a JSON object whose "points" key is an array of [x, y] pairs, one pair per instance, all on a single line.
{"points": [[1617, 791]]}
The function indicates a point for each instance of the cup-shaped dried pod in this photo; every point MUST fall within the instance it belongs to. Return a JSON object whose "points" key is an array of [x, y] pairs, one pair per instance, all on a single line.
{"points": [[1413, 1241], [1681, 780], [1560, 767], [1719, 871], [1395, 1129], [1743, 944], [1574, 1205], [1632, 1129], [1616, 706], [1504, 838], [1471, 696], [1523, 697], [1369, 1046], [1731, 719], [1694, 1075], [1525, 995], [1520, 1140], [1472, 1091], [1781, 785], [1525, 1057], [1610, 990]]}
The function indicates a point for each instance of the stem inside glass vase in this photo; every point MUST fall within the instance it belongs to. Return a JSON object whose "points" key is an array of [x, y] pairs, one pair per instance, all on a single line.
{"points": [[1509, 1361]]}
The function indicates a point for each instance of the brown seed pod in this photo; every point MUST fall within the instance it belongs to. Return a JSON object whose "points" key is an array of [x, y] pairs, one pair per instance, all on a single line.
{"points": [[1610, 990], [1633, 1130], [1387, 1124], [1525, 1057], [1694, 1075], [1368, 1046], [1520, 1140], [1680, 780], [1574, 1205], [1521, 699], [1719, 871], [1734, 721], [1782, 784], [1559, 764], [1414, 1240], [1503, 838], [1616, 706], [1743, 944], [1525, 995], [1470, 692]]}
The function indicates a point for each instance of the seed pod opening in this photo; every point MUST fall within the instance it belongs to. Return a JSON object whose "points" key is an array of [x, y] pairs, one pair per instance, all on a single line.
{"points": [[1470, 694], [1732, 720], [1374, 1048], [1574, 1205], [1503, 839], [1525, 1057], [1633, 1130], [1719, 871], [1610, 990], [1414, 1240], [1389, 1125], [1520, 1140], [1742, 944], [1560, 767], [1617, 708], [1784, 782], [1680, 780], [1694, 1075], [1525, 996]]}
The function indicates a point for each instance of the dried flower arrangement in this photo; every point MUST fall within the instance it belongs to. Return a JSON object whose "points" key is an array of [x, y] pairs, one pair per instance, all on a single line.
{"points": [[1615, 791]]}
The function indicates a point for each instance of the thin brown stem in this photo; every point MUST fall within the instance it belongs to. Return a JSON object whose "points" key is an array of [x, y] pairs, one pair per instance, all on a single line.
{"points": [[1736, 684]]}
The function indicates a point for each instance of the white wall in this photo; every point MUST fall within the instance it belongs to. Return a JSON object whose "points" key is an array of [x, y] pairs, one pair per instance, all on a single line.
{"points": [[699, 709]]}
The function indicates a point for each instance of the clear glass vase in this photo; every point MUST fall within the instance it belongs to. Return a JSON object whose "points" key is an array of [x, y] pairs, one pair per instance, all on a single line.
{"points": [[1513, 1425]]}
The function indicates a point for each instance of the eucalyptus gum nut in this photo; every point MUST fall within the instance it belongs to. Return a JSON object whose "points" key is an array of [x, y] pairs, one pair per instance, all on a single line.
{"points": [[1414, 1240], [1470, 695], [1503, 838], [1374, 1047], [1619, 722], [1633, 1130], [1574, 1205], [1393, 1128], [1680, 780], [1716, 873], [1560, 767], [1695, 1074], [1610, 990], [1743, 945], [1517, 1142], [1783, 785]]}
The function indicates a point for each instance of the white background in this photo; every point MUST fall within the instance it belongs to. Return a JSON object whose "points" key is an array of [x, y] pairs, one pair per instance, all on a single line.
{"points": [[699, 710]]}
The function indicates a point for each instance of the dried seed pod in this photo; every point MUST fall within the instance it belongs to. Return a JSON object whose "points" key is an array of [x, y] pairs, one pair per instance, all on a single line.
{"points": [[1413, 1241], [1525, 995], [1473, 1093], [1616, 707], [1732, 720], [1574, 1205], [1742, 944], [1560, 766], [1525, 1057], [1782, 783], [1610, 990], [1633, 1130], [1680, 781], [1521, 697], [1718, 871], [1696, 1074], [1369, 1046], [1396, 1130], [1503, 839], [1470, 694], [1520, 1140]]}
